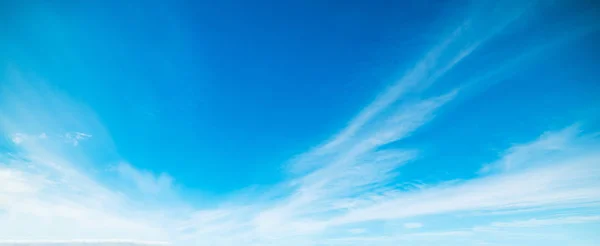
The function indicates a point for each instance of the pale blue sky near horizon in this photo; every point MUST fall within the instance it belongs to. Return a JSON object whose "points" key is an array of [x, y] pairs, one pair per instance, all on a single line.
{"points": [[317, 122]]}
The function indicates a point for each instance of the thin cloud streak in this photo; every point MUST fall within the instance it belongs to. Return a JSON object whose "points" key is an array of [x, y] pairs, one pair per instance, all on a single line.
{"points": [[44, 194], [352, 164], [566, 181], [457, 46], [146, 181], [471, 235], [547, 222]]}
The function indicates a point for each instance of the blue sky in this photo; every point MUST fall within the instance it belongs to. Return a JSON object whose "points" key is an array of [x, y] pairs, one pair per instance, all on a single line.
{"points": [[300, 123]]}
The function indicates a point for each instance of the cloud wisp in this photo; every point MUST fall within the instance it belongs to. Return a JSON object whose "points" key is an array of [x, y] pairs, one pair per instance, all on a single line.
{"points": [[347, 181], [547, 222], [44, 194], [76, 137]]}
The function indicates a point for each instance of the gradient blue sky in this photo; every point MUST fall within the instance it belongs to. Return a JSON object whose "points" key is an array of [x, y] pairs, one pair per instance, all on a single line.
{"points": [[300, 123]]}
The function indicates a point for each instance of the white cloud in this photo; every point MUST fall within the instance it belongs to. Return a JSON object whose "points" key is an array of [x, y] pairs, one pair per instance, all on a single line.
{"points": [[547, 222], [76, 137], [44, 195], [565, 182], [475, 236], [15, 182], [524, 155], [421, 238], [412, 225], [349, 181], [145, 180], [18, 138], [351, 163], [357, 230], [41, 202]]}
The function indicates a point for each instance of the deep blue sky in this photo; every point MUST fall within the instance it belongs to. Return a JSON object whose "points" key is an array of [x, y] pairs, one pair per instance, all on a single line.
{"points": [[224, 88]]}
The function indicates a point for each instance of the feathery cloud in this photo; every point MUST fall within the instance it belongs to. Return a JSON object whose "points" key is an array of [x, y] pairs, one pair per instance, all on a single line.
{"points": [[76, 137], [412, 225], [547, 222], [145, 180]]}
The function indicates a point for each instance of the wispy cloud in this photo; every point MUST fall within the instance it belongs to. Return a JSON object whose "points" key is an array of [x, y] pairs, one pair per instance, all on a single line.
{"points": [[50, 205], [357, 230], [566, 181], [76, 137], [527, 155], [44, 195], [18, 138], [337, 191], [547, 222], [470, 236], [412, 225], [144, 180], [350, 177]]}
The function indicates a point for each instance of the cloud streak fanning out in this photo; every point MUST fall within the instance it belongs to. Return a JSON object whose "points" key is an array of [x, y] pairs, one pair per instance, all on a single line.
{"points": [[342, 192]]}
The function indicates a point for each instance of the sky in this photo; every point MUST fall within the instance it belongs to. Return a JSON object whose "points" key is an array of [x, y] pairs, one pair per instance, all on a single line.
{"points": [[300, 123]]}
